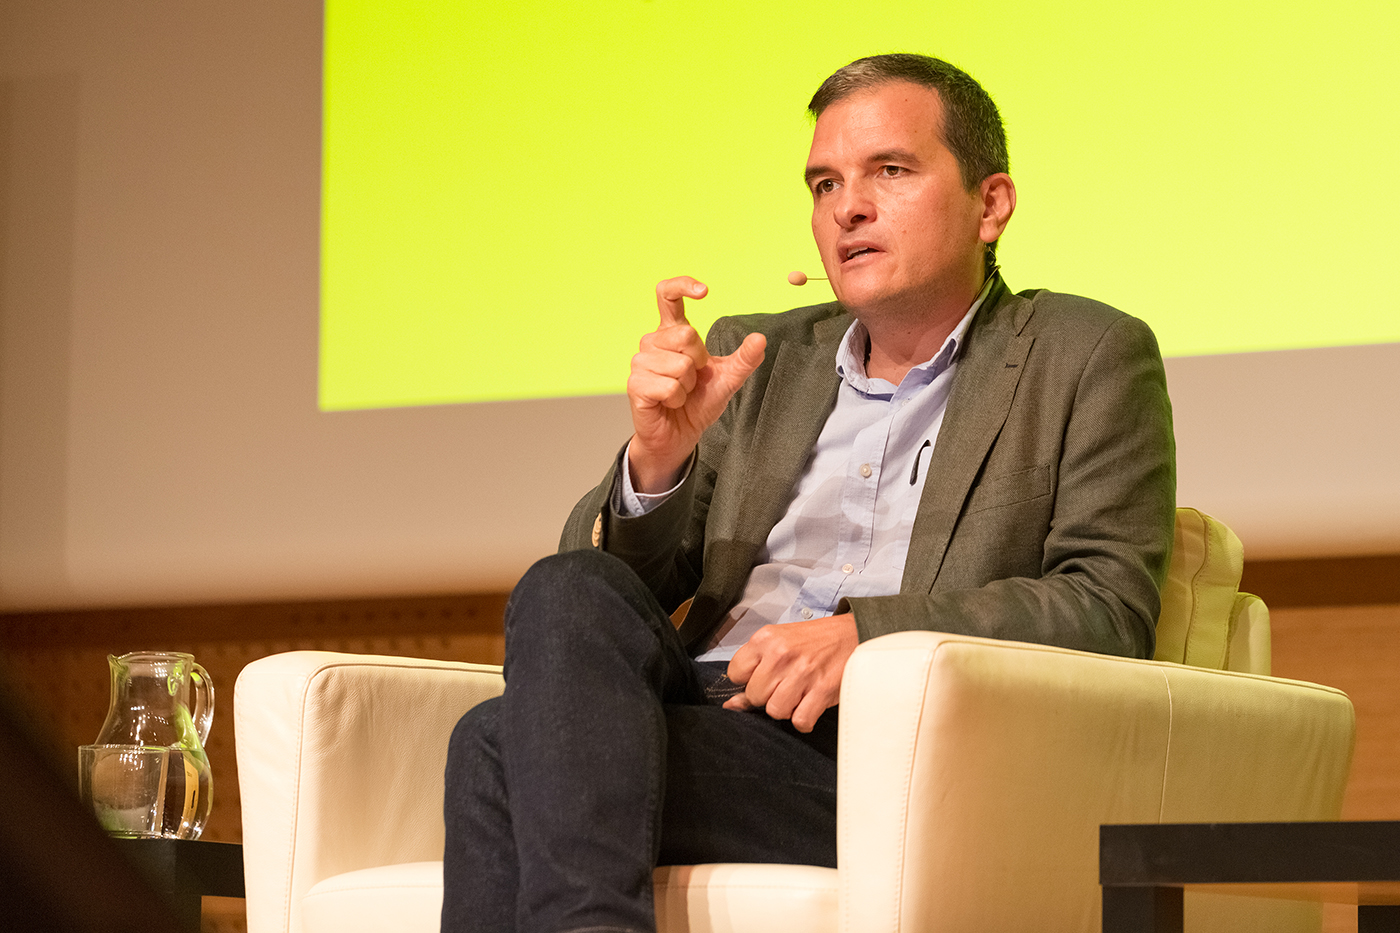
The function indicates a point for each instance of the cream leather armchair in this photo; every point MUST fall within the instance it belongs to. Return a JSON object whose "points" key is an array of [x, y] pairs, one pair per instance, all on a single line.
{"points": [[986, 768]]}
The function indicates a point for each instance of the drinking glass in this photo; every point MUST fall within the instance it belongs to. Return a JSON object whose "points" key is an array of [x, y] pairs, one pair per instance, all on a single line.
{"points": [[141, 791]]}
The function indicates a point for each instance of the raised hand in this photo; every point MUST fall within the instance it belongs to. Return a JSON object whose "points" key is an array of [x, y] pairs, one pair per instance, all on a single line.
{"points": [[677, 389]]}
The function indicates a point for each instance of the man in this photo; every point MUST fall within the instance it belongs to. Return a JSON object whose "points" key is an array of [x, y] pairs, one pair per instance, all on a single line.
{"points": [[930, 452]]}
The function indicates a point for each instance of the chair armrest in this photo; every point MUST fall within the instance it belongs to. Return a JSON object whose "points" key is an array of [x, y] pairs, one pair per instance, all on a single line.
{"points": [[973, 774], [340, 764]]}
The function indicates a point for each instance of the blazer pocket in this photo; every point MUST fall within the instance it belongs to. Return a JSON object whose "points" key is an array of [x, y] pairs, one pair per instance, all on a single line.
{"points": [[1009, 488]]}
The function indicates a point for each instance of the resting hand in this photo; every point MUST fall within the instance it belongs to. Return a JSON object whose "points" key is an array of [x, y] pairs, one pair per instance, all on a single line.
{"points": [[793, 671], [677, 389]]}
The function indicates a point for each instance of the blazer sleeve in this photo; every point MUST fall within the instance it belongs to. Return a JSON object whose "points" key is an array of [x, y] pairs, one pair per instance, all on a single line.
{"points": [[665, 547]]}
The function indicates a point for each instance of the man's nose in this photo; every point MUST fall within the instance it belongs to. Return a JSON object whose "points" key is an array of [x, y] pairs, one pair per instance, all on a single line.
{"points": [[855, 206]]}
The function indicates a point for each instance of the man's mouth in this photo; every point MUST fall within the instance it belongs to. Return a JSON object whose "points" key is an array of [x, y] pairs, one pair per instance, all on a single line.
{"points": [[857, 251]]}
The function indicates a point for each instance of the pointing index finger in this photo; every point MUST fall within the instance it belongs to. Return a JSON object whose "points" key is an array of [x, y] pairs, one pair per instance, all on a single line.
{"points": [[671, 295]]}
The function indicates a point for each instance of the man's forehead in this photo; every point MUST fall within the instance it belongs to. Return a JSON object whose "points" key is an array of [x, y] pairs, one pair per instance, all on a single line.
{"points": [[876, 116]]}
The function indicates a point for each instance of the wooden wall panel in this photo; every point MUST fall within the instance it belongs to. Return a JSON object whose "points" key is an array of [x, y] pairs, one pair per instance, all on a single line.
{"points": [[1330, 581], [1356, 649]]}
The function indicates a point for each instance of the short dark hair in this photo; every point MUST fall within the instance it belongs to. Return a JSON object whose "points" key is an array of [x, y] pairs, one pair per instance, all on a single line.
{"points": [[971, 128]]}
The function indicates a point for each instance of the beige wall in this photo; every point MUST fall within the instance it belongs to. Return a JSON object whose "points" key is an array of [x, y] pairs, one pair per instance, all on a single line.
{"points": [[159, 438]]}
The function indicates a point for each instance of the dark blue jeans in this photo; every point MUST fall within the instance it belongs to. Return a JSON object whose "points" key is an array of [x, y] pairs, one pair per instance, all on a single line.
{"points": [[609, 754]]}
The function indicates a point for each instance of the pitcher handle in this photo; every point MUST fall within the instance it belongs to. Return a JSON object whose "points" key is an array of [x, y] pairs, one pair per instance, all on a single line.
{"points": [[203, 702]]}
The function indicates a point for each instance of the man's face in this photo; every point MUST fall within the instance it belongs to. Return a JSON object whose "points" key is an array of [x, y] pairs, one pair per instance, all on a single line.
{"points": [[897, 230]]}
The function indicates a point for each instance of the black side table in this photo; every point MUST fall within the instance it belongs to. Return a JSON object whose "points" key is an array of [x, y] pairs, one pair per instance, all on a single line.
{"points": [[184, 870], [1145, 868]]}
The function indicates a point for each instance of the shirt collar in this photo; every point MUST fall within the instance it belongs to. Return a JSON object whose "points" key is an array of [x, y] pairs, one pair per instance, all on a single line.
{"points": [[850, 354]]}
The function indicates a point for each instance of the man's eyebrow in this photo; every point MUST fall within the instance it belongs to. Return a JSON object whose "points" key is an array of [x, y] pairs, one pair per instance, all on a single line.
{"points": [[884, 156], [894, 155]]}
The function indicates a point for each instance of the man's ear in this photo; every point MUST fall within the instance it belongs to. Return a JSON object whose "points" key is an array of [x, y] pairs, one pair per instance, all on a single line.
{"points": [[998, 193]]}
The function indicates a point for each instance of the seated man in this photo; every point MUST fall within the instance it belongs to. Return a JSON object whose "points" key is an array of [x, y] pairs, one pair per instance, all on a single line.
{"points": [[932, 451]]}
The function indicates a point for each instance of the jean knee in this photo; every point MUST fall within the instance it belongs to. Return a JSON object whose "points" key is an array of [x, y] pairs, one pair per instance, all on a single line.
{"points": [[559, 591], [569, 570]]}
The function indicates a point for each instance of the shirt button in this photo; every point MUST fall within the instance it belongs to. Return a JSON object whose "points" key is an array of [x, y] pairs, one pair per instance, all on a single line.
{"points": [[807, 613], [865, 470], [846, 568]]}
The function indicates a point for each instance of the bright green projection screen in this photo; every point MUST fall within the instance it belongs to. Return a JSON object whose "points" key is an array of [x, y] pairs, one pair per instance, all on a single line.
{"points": [[504, 183]]}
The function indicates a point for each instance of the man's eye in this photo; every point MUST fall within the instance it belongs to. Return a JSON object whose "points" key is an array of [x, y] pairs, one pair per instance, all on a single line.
{"points": [[825, 186], [890, 171]]}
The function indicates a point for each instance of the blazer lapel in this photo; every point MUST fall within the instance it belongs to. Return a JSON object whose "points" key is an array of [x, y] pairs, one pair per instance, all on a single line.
{"points": [[989, 369], [800, 395]]}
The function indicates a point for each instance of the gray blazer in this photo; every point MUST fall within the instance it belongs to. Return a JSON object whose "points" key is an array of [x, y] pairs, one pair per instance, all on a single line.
{"points": [[1048, 510]]}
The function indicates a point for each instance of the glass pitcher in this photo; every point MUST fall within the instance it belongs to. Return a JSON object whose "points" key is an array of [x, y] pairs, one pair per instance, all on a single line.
{"points": [[147, 775]]}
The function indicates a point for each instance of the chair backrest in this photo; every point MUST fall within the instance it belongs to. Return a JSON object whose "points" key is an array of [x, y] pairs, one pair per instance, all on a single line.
{"points": [[1205, 620]]}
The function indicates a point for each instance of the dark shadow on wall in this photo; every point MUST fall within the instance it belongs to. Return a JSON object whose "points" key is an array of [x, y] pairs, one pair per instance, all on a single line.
{"points": [[38, 182]]}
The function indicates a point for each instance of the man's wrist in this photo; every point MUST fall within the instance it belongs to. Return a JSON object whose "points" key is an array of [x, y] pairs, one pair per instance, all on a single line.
{"points": [[634, 502], [649, 479]]}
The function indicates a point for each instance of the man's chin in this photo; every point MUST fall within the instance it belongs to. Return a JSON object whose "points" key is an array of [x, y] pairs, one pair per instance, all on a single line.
{"points": [[863, 301], [870, 301]]}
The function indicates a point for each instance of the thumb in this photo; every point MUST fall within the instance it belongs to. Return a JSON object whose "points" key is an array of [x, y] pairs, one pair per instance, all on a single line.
{"points": [[744, 360]]}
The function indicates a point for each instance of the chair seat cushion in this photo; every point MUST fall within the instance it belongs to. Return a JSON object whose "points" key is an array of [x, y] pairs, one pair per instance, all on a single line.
{"points": [[405, 898], [742, 898], [689, 899]]}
